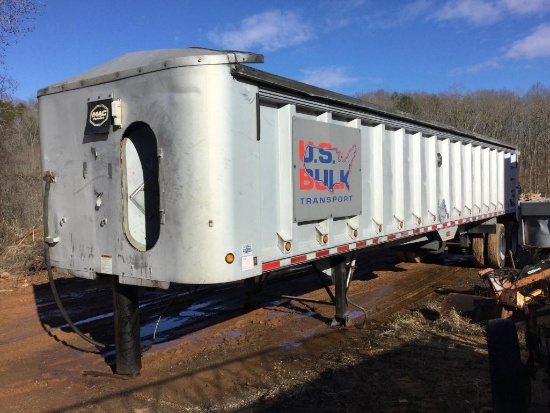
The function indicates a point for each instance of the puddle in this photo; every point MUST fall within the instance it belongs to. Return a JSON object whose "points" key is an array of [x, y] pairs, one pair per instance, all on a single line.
{"points": [[354, 314], [200, 305], [229, 336], [305, 315], [276, 314], [87, 320], [449, 259], [276, 303], [290, 344], [165, 323], [186, 314]]}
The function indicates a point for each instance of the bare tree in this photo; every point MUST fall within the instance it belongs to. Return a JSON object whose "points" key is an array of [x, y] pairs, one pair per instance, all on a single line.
{"points": [[14, 19], [14, 15], [20, 191], [515, 118]]}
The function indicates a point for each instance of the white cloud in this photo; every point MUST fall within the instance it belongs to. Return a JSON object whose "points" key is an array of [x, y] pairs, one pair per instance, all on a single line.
{"points": [[267, 31], [415, 9], [474, 11], [327, 77], [535, 45], [527, 6], [489, 64], [337, 23], [340, 13], [481, 12]]}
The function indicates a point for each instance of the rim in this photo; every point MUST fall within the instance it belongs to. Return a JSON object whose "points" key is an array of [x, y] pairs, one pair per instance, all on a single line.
{"points": [[502, 246]]}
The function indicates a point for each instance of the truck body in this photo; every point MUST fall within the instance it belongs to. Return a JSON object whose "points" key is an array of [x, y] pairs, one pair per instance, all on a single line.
{"points": [[534, 224], [189, 166]]}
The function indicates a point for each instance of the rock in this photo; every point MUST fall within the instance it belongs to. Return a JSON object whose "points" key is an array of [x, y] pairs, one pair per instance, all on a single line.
{"points": [[4, 274]]}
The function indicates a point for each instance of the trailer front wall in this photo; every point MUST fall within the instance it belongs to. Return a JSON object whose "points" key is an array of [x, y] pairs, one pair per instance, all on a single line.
{"points": [[205, 126]]}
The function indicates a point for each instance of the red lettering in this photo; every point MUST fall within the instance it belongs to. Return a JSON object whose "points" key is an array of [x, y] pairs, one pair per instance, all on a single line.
{"points": [[302, 148], [306, 182]]}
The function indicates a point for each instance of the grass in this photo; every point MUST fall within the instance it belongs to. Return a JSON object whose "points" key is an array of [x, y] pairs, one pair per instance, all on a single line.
{"points": [[15, 258], [430, 319]]}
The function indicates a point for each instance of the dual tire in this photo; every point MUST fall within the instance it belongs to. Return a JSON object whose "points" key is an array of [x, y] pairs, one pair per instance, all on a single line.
{"points": [[490, 250]]}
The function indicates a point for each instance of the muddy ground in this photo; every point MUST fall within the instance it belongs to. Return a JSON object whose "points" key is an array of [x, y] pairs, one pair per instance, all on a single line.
{"points": [[209, 355]]}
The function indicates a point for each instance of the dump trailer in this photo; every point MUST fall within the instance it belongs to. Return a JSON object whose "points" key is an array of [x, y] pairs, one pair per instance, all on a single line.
{"points": [[189, 166]]}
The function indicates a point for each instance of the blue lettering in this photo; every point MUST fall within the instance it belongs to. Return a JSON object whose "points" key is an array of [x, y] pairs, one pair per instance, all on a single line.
{"points": [[328, 178], [325, 156], [317, 174], [344, 175], [308, 154], [326, 200], [328, 175]]}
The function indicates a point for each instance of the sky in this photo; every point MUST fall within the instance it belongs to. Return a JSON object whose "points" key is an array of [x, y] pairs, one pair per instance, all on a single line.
{"points": [[348, 46]]}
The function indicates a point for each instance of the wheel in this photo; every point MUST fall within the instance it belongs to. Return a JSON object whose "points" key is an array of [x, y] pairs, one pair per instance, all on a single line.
{"points": [[496, 247], [413, 257], [478, 251], [401, 256], [509, 383]]}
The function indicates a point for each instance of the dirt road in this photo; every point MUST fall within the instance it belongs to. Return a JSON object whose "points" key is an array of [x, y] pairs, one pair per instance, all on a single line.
{"points": [[208, 354]]}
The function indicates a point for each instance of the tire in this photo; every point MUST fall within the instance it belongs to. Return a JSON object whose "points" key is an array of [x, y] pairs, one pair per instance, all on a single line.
{"points": [[413, 257], [401, 256], [509, 383], [496, 248], [478, 251]]}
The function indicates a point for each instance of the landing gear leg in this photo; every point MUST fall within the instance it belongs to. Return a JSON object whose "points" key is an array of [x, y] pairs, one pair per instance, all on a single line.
{"points": [[127, 337], [252, 288], [340, 291]]}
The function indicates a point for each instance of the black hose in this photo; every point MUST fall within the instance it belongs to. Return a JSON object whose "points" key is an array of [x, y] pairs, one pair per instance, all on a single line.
{"points": [[49, 178], [348, 281]]}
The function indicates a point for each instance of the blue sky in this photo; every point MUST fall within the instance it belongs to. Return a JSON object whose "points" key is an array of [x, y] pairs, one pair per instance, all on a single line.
{"points": [[349, 46]]}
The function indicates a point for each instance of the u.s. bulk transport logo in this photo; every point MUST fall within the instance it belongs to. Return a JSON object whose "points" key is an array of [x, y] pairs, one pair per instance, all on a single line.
{"points": [[325, 168]]}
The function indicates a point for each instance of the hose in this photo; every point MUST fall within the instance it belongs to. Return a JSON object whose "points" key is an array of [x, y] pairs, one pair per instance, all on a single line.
{"points": [[351, 270], [49, 178]]}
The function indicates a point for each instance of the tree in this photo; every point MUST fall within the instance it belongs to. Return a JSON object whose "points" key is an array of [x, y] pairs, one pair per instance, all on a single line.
{"points": [[14, 15], [405, 103], [20, 190], [13, 18], [520, 119]]}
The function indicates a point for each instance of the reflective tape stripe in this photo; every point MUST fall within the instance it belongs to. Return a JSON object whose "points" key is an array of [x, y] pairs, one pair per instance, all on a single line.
{"points": [[273, 265]]}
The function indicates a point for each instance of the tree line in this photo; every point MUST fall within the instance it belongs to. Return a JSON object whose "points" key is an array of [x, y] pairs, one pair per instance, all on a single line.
{"points": [[520, 119], [20, 173]]}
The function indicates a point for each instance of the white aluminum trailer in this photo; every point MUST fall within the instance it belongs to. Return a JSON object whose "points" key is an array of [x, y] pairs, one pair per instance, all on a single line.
{"points": [[188, 166]]}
